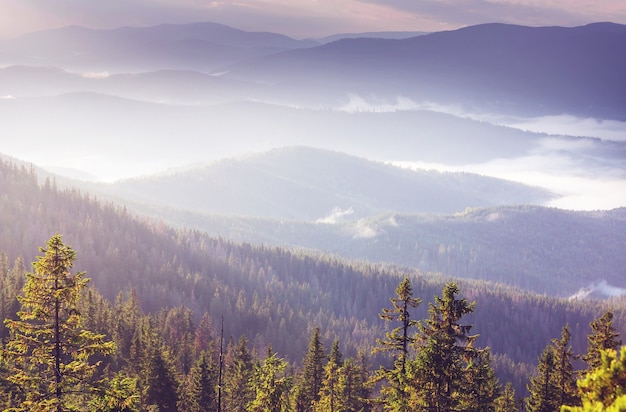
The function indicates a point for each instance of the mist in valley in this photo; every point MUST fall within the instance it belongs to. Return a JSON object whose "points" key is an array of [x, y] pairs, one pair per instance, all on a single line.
{"points": [[193, 123]]}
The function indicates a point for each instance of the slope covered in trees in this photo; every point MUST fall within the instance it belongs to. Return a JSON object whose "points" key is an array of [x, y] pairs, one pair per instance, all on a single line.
{"points": [[273, 296], [52, 361], [304, 183], [546, 250]]}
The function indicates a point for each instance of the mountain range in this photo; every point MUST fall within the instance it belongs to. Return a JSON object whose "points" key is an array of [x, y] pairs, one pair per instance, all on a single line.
{"points": [[526, 71], [256, 177]]}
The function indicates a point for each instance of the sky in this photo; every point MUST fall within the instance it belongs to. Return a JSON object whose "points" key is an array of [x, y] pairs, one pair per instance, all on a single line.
{"points": [[305, 18]]}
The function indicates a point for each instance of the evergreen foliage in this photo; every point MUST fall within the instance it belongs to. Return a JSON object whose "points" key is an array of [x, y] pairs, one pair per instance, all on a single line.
{"points": [[393, 394], [160, 381], [444, 348], [238, 378], [604, 388], [543, 387], [161, 288], [312, 375], [603, 336], [120, 394], [481, 388], [506, 402], [49, 352], [271, 385], [198, 392]]}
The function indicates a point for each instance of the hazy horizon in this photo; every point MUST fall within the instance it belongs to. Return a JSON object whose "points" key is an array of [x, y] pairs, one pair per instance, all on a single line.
{"points": [[305, 19], [104, 125]]}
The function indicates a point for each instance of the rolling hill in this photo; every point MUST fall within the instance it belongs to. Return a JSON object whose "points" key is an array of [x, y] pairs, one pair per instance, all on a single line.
{"points": [[459, 224], [307, 184]]}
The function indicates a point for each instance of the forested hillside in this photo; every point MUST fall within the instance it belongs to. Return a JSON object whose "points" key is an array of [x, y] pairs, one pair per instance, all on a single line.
{"points": [[272, 295], [305, 183], [546, 250]]}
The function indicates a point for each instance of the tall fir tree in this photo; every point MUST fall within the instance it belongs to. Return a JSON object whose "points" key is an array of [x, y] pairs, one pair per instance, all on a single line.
{"points": [[393, 394], [49, 351], [444, 348], [238, 376], [603, 336], [160, 383], [329, 395], [506, 402], [352, 387], [312, 374], [564, 369], [271, 385], [542, 387], [198, 392], [481, 387]]}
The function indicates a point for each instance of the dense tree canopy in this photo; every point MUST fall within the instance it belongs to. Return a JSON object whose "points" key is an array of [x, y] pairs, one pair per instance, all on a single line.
{"points": [[156, 293]]}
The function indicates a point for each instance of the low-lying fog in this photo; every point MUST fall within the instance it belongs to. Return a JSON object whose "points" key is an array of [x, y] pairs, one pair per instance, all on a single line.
{"points": [[113, 140]]}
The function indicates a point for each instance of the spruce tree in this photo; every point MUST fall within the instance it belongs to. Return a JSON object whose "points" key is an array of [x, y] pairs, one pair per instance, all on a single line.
{"points": [[238, 376], [329, 395], [198, 393], [393, 394], [49, 351], [443, 350], [312, 374], [564, 369], [603, 336], [352, 387], [160, 383], [481, 387], [270, 385], [543, 388], [506, 402]]}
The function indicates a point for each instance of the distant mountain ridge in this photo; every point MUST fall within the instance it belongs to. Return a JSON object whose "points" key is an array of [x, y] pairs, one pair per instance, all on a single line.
{"points": [[491, 67], [372, 35], [308, 184], [200, 46]]}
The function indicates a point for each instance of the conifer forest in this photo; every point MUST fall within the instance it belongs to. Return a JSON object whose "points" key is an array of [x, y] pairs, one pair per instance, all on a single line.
{"points": [[118, 313]]}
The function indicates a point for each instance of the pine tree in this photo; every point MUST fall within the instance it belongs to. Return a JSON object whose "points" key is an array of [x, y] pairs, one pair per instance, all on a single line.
{"points": [[443, 350], [603, 336], [393, 394], [49, 351]]}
